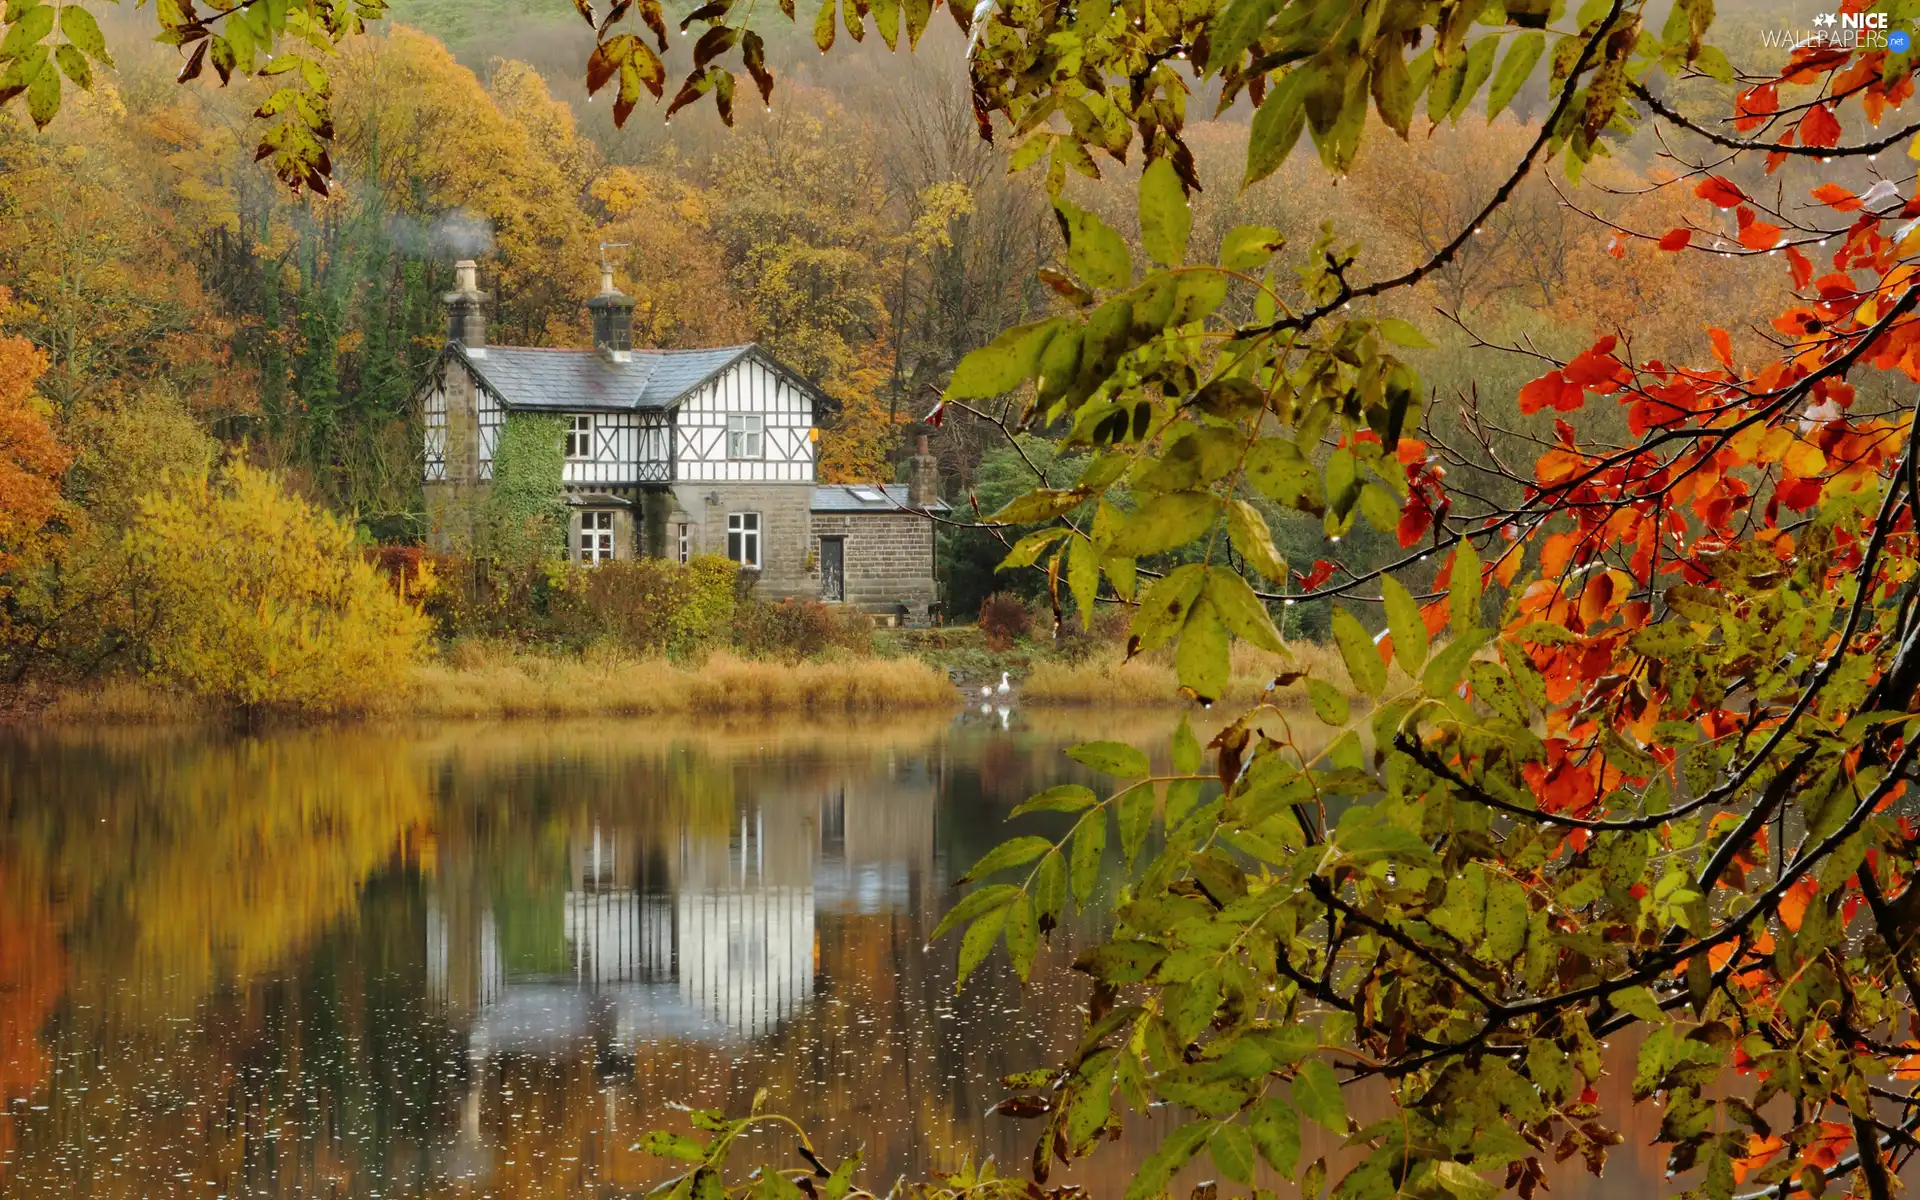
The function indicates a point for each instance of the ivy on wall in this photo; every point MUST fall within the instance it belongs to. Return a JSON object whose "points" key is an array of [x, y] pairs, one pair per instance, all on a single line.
{"points": [[526, 515]]}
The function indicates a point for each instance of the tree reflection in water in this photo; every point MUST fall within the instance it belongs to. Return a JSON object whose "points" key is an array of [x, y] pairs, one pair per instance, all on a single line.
{"points": [[486, 960]]}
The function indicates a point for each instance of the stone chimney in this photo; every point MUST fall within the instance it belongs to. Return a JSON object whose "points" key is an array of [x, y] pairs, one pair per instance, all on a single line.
{"points": [[923, 476], [612, 319], [467, 309]]}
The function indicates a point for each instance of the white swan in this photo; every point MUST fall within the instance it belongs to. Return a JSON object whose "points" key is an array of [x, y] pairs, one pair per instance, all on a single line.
{"points": [[1005, 688], [986, 689]]}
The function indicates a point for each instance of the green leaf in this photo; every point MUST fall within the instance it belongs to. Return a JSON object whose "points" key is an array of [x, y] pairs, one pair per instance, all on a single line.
{"points": [[1276, 1131], [1083, 577], [1248, 246], [1404, 622], [1095, 252], [1248, 532], [74, 65], [83, 31], [1165, 219], [1232, 1150], [1135, 816], [1641, 1003], [1165, 523], [1507, 915], [1329, 702], [1548, 1066], [980, 937], [1242, 611], [1403, 333], [1186, 752], [1028, 549], [972, 905], [1111, 758], [1175, 1152], [26, 32], [1128, 961], [1010, 853], [1038, 505], [1462, 916], [1479, 66], [1202, 660], [1023, 936], [1316, 1093], [1065, 797], [662, 1144], [1463, 599], [1050, 887], [1004, 363], [1275, 467], [1237, 28], [1089, 845], [1362, 657], [43, 96], [1514, 69], [1443, 675], [823, 26], [1163, 610], [1461, 1182], [1278, 122]]}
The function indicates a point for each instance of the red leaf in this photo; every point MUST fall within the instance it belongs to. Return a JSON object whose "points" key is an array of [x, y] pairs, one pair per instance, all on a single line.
{"points": [[1719, 191], [1754, 106], [1616, 246], [1551, 391], [1818, 127], [1836, 197], [1722, 347], [1676, 239], [1759, 235], [1802, 269]]}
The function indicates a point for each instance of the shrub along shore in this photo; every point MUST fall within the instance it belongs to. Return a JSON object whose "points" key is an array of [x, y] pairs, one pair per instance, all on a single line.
{"points": [[303, 623]]}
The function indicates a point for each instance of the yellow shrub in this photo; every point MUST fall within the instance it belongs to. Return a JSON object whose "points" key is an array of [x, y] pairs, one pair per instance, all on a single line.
{"points": [[264, 602]]}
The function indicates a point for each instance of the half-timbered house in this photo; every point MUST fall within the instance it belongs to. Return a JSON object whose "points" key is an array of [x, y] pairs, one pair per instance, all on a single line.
{"points": [[673, 453]]}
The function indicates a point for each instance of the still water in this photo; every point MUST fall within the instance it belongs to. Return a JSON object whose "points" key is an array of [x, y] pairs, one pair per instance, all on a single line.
{"points": [[486, 959]]}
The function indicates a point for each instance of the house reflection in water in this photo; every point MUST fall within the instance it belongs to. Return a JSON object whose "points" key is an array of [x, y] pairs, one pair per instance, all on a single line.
{"points": [[701, 938]]}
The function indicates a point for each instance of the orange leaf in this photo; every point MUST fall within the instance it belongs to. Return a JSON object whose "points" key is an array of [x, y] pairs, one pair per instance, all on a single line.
{"points": [[1719, 191], [1818, 127], [1793, 905], [1676, 239], [1836, 197], [1722, 347], [1801, 268], [1754, 106], [1759, 1150], [1759, 235]]}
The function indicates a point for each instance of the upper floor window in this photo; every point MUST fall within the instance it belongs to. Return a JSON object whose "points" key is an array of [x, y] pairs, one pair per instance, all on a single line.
{"points": [[746, 435], [743, 538], [580, 437]]}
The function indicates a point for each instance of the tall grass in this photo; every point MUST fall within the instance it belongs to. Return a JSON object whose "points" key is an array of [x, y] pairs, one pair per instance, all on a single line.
{"points": [[506, 684], [1107, 679]]}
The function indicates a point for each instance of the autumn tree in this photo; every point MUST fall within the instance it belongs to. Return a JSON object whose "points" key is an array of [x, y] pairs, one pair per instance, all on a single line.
{"points": [[1572, 821]]}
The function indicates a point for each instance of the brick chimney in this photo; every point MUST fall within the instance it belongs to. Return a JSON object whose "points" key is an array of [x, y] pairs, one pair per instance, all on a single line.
{"points": [[467, 309], [923, 476], [612, 319]]}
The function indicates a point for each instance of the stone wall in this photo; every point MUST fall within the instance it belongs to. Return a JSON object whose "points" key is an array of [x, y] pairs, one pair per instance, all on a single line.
{"points": [[454, 506], [889, 560], [788, 566]]}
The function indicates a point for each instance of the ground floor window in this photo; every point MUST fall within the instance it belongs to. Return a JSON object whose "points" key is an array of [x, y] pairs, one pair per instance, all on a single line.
{"points": [[596, 536], [743, 538], [833, 568], [685, 541]]}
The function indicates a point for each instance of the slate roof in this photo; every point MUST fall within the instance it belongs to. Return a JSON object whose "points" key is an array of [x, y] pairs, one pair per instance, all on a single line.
{"points": [[576, 380], [839, 498]]}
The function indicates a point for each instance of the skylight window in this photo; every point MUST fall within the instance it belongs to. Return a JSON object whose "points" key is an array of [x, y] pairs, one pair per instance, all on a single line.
{"points": [[869, 495]]}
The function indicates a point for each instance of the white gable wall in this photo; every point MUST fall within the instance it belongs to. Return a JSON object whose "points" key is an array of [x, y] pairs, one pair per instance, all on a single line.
{"points": [[749, 387]]}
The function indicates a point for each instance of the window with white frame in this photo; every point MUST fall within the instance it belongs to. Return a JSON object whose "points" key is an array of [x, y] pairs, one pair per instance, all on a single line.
{"points": [[596, 536], [685, 541], [580, 437], [746, 435], [743, 538]]}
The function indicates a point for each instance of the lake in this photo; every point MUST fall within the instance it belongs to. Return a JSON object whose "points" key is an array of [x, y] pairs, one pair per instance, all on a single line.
{"points": [[486, 959]]}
